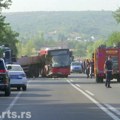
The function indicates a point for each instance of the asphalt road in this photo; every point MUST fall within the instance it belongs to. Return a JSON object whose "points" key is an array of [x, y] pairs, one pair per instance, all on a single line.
{"points": [[72, 98]]}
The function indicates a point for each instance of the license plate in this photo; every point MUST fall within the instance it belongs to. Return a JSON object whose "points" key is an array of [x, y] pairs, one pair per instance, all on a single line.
{"points": [[15, 77]]}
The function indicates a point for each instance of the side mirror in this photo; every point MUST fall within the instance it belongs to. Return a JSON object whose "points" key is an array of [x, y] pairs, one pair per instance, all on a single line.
{"points": [[9, 67]]}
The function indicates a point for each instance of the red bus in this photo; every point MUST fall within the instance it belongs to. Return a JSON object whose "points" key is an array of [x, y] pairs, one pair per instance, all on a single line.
{"points": [[55, 62]]}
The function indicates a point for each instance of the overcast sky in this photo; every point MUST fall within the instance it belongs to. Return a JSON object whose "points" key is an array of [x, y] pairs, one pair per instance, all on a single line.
{"points": [[63, 5]]}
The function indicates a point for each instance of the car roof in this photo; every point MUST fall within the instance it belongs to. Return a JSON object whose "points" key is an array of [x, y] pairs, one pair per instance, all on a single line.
{"points": [[13, 65], [75, 62]]}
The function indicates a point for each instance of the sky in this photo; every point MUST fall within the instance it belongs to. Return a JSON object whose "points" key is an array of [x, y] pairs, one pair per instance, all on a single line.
{"points": [[62, 5]]}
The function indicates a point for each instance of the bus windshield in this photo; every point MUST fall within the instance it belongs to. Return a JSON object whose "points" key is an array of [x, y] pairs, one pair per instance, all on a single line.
{"points": [[60, 60]]}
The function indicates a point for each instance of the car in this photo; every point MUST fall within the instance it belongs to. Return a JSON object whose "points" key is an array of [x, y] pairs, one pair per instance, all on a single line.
{"points": [[76, 67], [17, 76], [4, 78]]}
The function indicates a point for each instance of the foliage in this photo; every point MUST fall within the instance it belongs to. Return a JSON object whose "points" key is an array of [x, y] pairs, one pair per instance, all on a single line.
{"points": [[113, 39], [26, 49], [92, 47], [116, 15], [69, 24], [5, 4], [53, 29], [7, 35]]}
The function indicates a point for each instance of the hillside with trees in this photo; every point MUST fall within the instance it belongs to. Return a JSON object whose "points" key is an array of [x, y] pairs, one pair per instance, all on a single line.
{"points": [[82, 24], [81, 31]]}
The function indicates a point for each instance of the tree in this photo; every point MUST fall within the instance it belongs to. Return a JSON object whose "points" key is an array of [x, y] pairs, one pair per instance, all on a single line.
{"points": [[92, 46], [7, 35], [113, 39], [5, 4], [116, 15]]}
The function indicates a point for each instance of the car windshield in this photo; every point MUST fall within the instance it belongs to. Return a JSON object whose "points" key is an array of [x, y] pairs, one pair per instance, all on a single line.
{"points": [[16, 68], [60, 61], [75, 63]]}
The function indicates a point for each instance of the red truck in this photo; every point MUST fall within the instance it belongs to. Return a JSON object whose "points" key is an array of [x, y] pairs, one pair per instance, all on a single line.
{"points": [[100, 57]]}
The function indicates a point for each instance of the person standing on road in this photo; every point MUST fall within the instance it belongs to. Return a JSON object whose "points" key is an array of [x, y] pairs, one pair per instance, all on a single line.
{"points": [[87, 68], [108, 66]]}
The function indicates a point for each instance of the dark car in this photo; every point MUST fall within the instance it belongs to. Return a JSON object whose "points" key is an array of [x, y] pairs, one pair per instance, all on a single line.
{"points": [[4, 78]]}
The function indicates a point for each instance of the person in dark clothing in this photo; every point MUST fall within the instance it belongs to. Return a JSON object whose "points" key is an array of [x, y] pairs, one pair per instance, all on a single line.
{"points": [[108, 70], [91, 68], [87, 68]]}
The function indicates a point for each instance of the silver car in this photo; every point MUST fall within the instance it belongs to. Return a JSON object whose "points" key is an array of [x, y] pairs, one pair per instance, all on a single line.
{"points": [[76, 67], [17, 76]]}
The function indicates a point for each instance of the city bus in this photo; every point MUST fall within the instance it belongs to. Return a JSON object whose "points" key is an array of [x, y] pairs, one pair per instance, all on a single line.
{"points": [[55, 62]]}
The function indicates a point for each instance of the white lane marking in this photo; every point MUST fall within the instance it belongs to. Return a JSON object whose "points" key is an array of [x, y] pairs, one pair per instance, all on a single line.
{"points": [[90, 93], [112, 109], [14, 101], [11, 104], [77, 85], [95, 102], [71, 80]]}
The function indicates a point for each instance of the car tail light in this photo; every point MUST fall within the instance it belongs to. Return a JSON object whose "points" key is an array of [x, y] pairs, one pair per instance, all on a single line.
{"points": [[3, 71]]}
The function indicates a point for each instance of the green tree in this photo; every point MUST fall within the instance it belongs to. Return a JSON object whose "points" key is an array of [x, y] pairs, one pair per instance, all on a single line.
{"points": [[116, 15], [29, 48], [80, 49], [7, 35], [113, 39], [92, 46], [5, 4]]}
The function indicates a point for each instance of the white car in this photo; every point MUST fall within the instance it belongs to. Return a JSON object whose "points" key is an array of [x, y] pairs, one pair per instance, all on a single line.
{"points": [[17, 76], [76, 67]]}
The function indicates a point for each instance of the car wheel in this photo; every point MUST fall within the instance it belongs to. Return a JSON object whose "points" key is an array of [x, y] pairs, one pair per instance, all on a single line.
{"points": [[18, 88], [24, 88], [7, 91]]}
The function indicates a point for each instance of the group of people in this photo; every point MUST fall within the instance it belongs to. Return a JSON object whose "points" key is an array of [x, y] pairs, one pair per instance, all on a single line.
{"points": [[88, 68]]}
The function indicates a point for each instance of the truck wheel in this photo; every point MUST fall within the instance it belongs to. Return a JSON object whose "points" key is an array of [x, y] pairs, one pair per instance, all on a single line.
{"points": [[24, 88], [7, 91], [99, 80], [18, 88], [118, 79], [66, 76], [36, 74]]}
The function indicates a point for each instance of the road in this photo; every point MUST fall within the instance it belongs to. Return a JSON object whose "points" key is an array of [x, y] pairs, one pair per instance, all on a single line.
{"points": [[72, 98]]}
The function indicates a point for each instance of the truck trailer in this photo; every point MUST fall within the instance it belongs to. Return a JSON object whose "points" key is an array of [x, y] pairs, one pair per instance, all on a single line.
{"points": [[31, 65]]}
